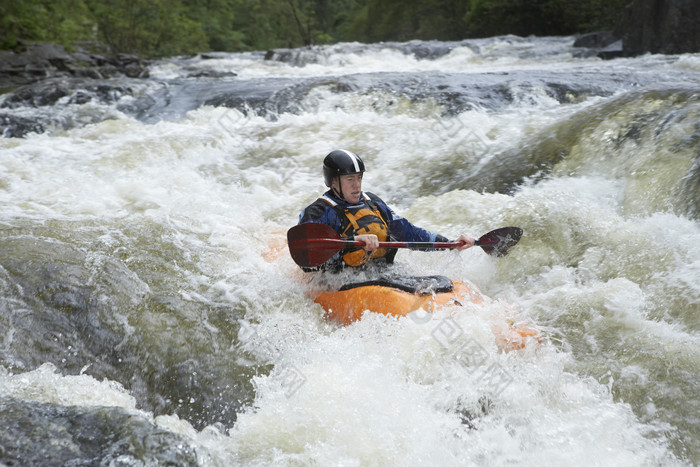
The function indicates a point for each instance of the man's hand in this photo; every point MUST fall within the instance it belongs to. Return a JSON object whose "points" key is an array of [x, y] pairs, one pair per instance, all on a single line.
{"points": [[370, 240], [468, 242]]}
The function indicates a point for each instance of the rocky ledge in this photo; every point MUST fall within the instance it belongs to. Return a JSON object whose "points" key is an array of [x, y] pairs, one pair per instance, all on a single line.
{"points": [[38, 61]]}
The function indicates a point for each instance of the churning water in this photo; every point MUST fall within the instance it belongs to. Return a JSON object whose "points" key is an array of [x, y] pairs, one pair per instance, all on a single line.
{"points": [[150, 312]]}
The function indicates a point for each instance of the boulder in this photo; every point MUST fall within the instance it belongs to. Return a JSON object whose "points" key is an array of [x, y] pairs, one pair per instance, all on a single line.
{"points": [[596, 40], [603, 44]]}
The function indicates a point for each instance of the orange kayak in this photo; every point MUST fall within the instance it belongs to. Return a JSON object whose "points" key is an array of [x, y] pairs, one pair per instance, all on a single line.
{"points": [[347, 306]]}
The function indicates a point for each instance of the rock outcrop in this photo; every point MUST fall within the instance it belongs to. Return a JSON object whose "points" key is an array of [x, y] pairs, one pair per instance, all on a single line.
{"points": [[39, 61]]}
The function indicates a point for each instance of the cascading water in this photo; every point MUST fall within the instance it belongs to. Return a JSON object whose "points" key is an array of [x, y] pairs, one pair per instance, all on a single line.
{"points": [[150, 312]]}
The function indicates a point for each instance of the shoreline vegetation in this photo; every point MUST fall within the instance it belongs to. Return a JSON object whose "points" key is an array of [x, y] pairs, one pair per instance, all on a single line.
{"points": [[160, 28]]}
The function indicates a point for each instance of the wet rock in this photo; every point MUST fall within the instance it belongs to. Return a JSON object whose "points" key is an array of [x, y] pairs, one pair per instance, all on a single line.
{"points": [[296, 57], [38, 95], [55, 93], [53, 281], [603, 44], [597, 40], [39, 61], [427, 49], [14, 126], [211, 74], [36, 433], [614, 50]]}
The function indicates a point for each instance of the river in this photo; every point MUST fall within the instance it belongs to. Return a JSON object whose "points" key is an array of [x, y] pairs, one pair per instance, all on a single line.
{"points": [[150, 313]]}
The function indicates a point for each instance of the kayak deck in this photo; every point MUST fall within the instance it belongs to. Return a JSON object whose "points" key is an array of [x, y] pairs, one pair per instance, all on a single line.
{"points": [[347, 306]]}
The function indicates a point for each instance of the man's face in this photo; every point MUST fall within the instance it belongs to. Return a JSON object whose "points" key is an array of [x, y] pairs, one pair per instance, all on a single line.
{"points": [[350, 187]]}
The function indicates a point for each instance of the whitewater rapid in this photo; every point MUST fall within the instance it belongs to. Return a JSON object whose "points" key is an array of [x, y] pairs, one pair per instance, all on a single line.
{"points": [[147, 296]]}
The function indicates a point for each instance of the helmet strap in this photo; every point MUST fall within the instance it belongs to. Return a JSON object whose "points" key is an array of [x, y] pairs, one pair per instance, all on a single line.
{"points": [[339, 192]]}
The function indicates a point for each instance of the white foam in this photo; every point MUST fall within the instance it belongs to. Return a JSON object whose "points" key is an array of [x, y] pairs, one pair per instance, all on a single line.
{"points": [[46, 384]]}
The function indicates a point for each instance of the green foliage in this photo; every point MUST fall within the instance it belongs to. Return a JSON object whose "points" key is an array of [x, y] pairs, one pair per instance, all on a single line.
{"points": [[151, 27], [216, 21], [68, 21], [266, 24], [19, 20], [349, 23], [397, 20], [173, 27], [61, 21]]}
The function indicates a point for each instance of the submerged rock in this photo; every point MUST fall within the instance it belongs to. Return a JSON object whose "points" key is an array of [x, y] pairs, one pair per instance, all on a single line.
{"points": [[37, 433]]}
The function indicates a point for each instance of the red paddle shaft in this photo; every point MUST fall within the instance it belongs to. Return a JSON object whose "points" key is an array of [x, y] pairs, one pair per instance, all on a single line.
{"points": [[334, 244], [312, 244]]}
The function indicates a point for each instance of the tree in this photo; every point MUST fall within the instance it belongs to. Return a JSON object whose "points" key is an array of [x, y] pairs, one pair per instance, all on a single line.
{"points": [[396, 20], [149, 27]]}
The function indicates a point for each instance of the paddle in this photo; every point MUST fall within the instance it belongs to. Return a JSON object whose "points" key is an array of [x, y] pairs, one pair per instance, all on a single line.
{"points": [[312, 244]]}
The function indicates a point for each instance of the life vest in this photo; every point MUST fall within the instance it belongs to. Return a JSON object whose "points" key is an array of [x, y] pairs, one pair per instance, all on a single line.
{"points": [[362, 219]]}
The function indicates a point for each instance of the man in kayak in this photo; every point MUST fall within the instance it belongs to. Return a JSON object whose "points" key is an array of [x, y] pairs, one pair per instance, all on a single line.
{"points": [[362, 215]]}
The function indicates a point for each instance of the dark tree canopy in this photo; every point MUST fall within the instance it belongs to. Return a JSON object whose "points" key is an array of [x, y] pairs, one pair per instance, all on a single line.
{"points": [[155, 28]]}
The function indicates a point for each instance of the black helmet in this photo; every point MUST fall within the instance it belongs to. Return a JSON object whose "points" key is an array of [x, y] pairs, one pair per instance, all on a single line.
{"points": [[341, 162]]}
